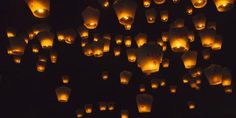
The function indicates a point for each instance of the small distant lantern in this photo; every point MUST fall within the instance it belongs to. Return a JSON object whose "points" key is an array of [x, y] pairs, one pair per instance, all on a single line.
{"points": [[199, 3], [83, 32], [199, 21], [39, 8], [97, 48], [211, 25], [110, 106], [106, 46], [63, 94], [118, 39], [107, 36], [105, 75], [195, 72], [162, 82], [151, 15], [228, 89], [83, 42], [191, 105], [214, 74], [189, 59], [79, 113], [217, 43], [165, 36], [141, 39], [46, 39], [125, 77], [91, 17], [125, 11], [43, 27], [165, 63], [41, 66], [142, 88], [207, 37], [104, 3], [144, 103], [146, 3], [159, 2], [31, 34], [124, 114], [191, 36], [176, 1], [17, 46], [88, 108], [189, 10], [70, 35], [164, 15], [131, 54], [11, 32], [154, 84], [117, 51], [179, 41], [186, 78], [60, 36], [227, 77], [128, 41], [173, 89], [178, 23], [206, 54], [17, 59], [224, 5], [53, 57], [102, 106], [96, 37], [65, 79], [88, 50]]}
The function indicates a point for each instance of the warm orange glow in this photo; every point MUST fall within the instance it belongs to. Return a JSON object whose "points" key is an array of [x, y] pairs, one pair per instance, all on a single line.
{"points": [[124, 114], [224, 5], [189, 59], [199, 3], [88, 108], [144, 103], [39, 8], [91, 17], [173, 89], [63, 94]]}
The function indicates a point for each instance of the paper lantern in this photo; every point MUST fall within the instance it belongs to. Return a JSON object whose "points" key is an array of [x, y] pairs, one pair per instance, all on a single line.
{"points": [[125, 12], [40, 28], [69, 36], [224, 5], [141, 39], [102, 106], [83, 42], [65, 79], [149, 57], [88, 108], [228, 89], [118, 39], [178, 23], [125, 77], [150, 15], [189, 10], [53, 57], [186, 78], [96, 37], [158, 2], [154, 84], [142, 88], [60, 36], [128, 41], [164, 15], [206, 54], [191, 105], [39, 8], [63, 94], [88, 50], [98, 48], [211, 25], [214, 74], [131, 54], [41, 66], [165, 63], [165, 36], [104, 3], [179, 40], [173, 89], [107, 36], [46, 39], [117, 51], [191, 36], [106, 46], [144, 103], [17, 59], [217, 43], [146, 3], [79, 113], [91, 17], [105, 75], [83, 32], [199, 3], [207, 37], [124, 114], [195, 72], [17, 46], [227, 77], [199, 21], [110, 106], [189, 59], [11, 32], [162, 82]]}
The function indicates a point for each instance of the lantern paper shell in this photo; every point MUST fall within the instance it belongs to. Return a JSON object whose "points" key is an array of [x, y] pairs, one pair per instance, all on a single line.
{"points": [[106, 46], [199, 21], [117, 51], [142, 88], [17, 59], [131, 54], [79, 113], [46, 39], [214, 74], [141, 39], [128, 41], [41, 66], [179, 41], [11, 32], [158, 2], [83, 32], [228, 89], [98, 48], [146, 3], [88, 108], [65, 79], [217, 43], [191, 105], [110, 106], [40, 28], [91, 17], [189, 10], [206, 54], [151, 15], [165, 63], [165, 36], [104, 3], [199, 3], [211, 25], [189, 59], [164, 15], [191, 36], [227, 77], [105, 75], [124, 114], [102, 106], [63, 94], [154, 84], [69, 36], [17, 45], [173, 89], [88, 50], [224, 5], [207, 37], [39, 8], [118, 39], [125, 77], [176, 1], [53, 57], [144, 103], [178, 23]]}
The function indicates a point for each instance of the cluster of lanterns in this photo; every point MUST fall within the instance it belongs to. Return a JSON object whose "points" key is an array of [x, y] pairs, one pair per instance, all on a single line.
{"points": [[148, 55]]}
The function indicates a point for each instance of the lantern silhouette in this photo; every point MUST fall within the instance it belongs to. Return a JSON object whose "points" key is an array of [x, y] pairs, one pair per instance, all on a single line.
{"points": [[195, 72], [164, 15], [91, 17], [107, 36], [117, 51], [158, 2], [189, 10], [146, 3], [46, 39], [191, 105], [199, 3], [199, 21], [151, 15], [63, 94], [173, 89], [79, 113], [162, 82], [142, 88], [207, 37], [149, 57], [214, 74], [83, 32], [217, 43], [53, 57], [31, 34], [124, 114], [128, 41], [141, 39], [178, 23], [98, 48], [104, 3], [165, 36], [206, 54], [39, 8], [102, 106], [224, 5], [88, 50], [154, 84], [88, 108], [125, 12], [179, 40], [131, 54], [96, 37], [65, 79], [11, 32], [165, 63], [60, 36], [118, 39], [186, 78], [211, 25], [9, 50], [40, 28], [105, 75], [227, 77], [17, 46], [189, 59], [144, 103], [125, 77]]}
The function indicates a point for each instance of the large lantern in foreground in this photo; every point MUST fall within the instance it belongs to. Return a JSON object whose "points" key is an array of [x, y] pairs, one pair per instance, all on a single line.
{"points": [[63, 94], [125, 11], [144, 103], [190, 59], [199, 3], [149, 57], [179, 41], [46, 39], [224, 5], [39, 8], [91, 17], [214, 74]]}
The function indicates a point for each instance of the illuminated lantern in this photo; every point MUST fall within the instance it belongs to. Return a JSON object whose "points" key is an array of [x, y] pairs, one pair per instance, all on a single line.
{"points": [[199, 21], [214, 74], [53, 57], [173, 89], [88, 50], [151, 15], [199, 3], [60, 36], [141, 39], [91, 17], [79, 113], [98, 48], [211, 25], [165, 36], [125, 12], [206, 54], [46, 39], [117, 51], [124, 114], [164, 47], [162, 82], [105, 75], [9, 51], [186, 78], [176, 1], [207, 37], [17, 59], [102, 106], [195, 72], [41, 28], [217, 43], [191, 105], [118, 39], [11, 32], [179, 41], [227, 77], [158, 2], [96, 37], [39, 8], [70, 36], [160, 42], [189, 10], [131, 54], [17, 46], [110, 106], [104, 3], [142, 88], [128, 41], [146, 3], [88, 108], [41, 66], [65, 79], [149, 57], [228, 89], [224, 5], [31, 34], [154, 84], [164, 15], [191, 36], [125, 77], [178, 23], [189, 59], [83, 32], [63, 94], [107, 36], [165, 63], [106, 46], [83, 42], [144, 103]]}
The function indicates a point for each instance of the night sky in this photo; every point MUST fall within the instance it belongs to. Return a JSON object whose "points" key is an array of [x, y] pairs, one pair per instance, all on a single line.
{"points": [[26, 93]]}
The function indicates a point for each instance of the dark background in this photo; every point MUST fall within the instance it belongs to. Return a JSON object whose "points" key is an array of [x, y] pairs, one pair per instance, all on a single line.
{"points": [[25, 93]]}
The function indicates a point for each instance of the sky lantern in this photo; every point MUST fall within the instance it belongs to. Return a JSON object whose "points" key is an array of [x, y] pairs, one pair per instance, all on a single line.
{"points": [[41, 64], [179, 41], [69, 36], [106, 46], [165, 36], [227, 77], [199, 3], [165, 63], [206, 54], [199, 21], [131, 54], [40, 28], [39, 8], [144, 103], [79, 113], [104, 3], [17, 59], [17, 46], [154, 83], [88, 108], [65, 79], [105, 75], [208, 37], [63, 94], [11, 32], [164, 15], [118, 39], [224, 5], [217, 43], [195, 72], [102, 106], [214, 74], [189, 59], [176, 1], [191, 105], [189, 10], [83, 32], [228, 89], [124, 114], [91, 17], [88, 50], [125, 77], [159, 2], [117, 51], [151, 15], [110, 106], [146, 3], [46, 39], [125, 12], [178, 23], [211, 25], [142, 88], [97, 48], [53, 57], [191, 36], [128, 41], [141, 39]]}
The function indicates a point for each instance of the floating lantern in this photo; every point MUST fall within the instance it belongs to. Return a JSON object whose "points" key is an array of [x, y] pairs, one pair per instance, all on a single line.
{"points": [[162, 82], [165, 36], [63, 94], [124, 114], [199, 3], [165, 63], [104, 3], [191, 36], [141, 39], [110, 106], [65, 79], [11, 32], [88, 50], [98, 48], [39, 8], [17, 59], [105, 75], [88, 108], [217, 43], [41, 66], [83, 32], [142, 88], [117, 51], [146, 3], [159, 2], [151, 15], [128, 41], [91, 17], [131, 54], [154, 84], [211, 25], [173, 89], [206, 54], [176, 1], [17, 46], [228, 89], [53, 57], [106, 46], [102, 106], [60, 36], [178, 23], [107, 36], [214, 74], [46, 39], [144, 103], [227, 77], [40, 28], [224, 5], [199, 21], [118, 39], [195, 72], [189, 10], [83, 42], [70, 36], [179, 40], [191, 105], [189, 59], [96, 37], [79, 113], [186, 78], [164, 15], [125, 77], [207, 37]]}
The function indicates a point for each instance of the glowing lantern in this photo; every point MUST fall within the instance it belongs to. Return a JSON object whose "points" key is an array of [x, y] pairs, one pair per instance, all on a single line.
{"points": [[141, 39], [227, 77], [41, 28], [214, 74], [206, 54], [149, 57], [191, 105], [105, 75], [91, 17], [164, 15], [128, 41], [162, 82], [88, 108], [41, 66], [106, 46], [228, 89], [144, 103], [191, 36], [53, 57], [110, 106], [83, 42], [154, 84], [102, 106], [199, 21], [165, 36], [104, 3], [69, 36], [39, 8], [159, 1], [195, 72], [17, 46], [207, 37], [176, 1], [125, 77], [96, 37], [117, 51], [63, 94], [60, 36], [165, 63], [88, 50], [65, 79], [211, 25], [224, 5], [131, 54], [11, 32], [46, 39], [83, 32], [178, 23], [179, 40], [189, 10], [31, 34], [151, 15], [125, 12], [186, 78], [79, 113], [217, 43], [118, 39], [173, 89], [17, 59], [9, 51], [199, 3], [189, 59], [146, 3], [124, 114], [98, 48], [142, 88], [107, 36]]}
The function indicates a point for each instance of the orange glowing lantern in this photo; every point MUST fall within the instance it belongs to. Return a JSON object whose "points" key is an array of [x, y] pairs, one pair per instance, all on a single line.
{"points": [[199, 3], [224, 5], [91, 17], [144, 103], [63, 94], [151, 15], [189, 59], [39, 8]]}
